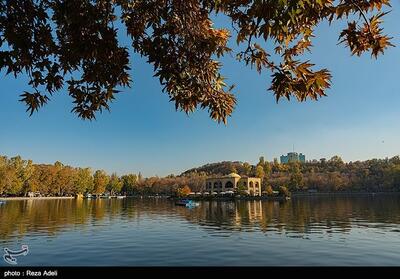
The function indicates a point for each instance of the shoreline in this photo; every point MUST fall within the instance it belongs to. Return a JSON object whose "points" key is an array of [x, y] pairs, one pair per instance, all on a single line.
{"points": [[209, 198], [300, 194], [33, 198]]}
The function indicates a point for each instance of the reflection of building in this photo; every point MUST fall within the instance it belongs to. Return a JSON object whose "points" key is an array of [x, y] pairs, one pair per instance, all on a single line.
{"points": [[293, 157], [248, 211], [234, 181]]}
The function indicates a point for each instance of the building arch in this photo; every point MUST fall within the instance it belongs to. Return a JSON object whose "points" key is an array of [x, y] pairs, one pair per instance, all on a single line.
{"points": [[229, 184]]}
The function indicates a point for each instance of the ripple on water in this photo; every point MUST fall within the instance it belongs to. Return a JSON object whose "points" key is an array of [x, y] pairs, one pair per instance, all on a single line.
{"points": [[147, 232]]}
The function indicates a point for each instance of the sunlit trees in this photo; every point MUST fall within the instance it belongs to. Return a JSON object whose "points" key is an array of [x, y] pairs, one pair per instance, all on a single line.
{"points": [[183, 191], [296, 177], [129, 183], [247, 168], [114, 184], [64, 180], [260, 172], [3, 174], [335, 181], [242, 190], [83, 181], [100, 181], [28, 178], [18, 177], [265, 172], [195, 181]]}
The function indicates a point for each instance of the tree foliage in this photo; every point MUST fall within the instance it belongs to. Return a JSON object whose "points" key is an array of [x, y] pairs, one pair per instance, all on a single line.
{"points": [[183, 191], [115, 184], [100, 181], [18, 177], [83, 181], [283, 191], [296, 177], [74, 44]]}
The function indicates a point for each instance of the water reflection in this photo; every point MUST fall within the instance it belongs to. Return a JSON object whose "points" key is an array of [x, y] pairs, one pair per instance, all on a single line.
{"points": [[296, 218]]}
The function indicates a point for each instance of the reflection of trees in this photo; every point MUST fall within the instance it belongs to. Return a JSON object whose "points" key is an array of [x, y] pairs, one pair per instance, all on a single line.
{"points": [[17, 218], [300, 215]]}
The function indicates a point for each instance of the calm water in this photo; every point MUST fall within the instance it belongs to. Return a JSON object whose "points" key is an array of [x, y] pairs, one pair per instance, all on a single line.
{"points": [[132, 232]]}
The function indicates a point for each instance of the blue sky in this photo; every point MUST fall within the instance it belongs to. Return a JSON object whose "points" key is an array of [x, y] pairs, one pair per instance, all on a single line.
{"points": [[358, 120]]}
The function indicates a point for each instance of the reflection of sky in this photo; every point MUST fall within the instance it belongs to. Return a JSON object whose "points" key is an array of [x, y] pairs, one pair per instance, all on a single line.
{"points": [[155, 232], [359, 119], [299, 217]]}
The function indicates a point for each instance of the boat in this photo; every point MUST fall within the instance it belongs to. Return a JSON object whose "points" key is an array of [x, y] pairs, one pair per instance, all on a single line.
{"points": [[121, 197], [192, 204], [88, 196], [2, 202], [181, 202], [187, 203]]}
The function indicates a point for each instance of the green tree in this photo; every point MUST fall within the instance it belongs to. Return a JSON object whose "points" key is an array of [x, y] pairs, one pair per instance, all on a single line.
{"points": [[296, 177], [260, 172], [14, 175], [115, 184], [247, 168], [3, 174], [129, 183], [391, 178], [84, 181], [64, 180], [242, 190], [266, 170], [336, 163], [100, 181], [49, 39], [28, 178]]}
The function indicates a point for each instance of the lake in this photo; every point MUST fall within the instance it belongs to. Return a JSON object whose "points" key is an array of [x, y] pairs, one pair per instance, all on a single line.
{"points": [[304, 231]]}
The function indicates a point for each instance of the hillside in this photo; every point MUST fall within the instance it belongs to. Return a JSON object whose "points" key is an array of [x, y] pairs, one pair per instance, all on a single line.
{"points": [[219, 168]]}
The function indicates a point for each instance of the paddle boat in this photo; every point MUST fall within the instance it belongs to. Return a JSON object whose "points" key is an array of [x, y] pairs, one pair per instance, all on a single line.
{"points": [[2, 202], [187, 203]]}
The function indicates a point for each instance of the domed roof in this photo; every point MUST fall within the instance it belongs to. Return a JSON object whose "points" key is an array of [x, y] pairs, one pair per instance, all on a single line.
{"points": [[233, 175]]}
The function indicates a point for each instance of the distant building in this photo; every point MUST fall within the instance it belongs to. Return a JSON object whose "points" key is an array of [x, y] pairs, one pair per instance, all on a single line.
{"points": [[293, 157], [232, 182]]}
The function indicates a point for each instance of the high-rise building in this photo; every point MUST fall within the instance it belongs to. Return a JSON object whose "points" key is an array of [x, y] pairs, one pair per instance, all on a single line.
{"points": [[293, 157]]}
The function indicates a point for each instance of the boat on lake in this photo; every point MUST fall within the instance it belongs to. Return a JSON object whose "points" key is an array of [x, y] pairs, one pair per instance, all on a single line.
{"points": [[187, 203]]}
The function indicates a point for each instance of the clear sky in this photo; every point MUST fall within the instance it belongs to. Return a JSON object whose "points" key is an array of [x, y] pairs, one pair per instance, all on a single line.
{"points": [[358, 120]]}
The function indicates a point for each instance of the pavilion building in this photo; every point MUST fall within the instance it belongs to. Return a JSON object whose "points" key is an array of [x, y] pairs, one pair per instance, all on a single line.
{"points": [[233, 181]]}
